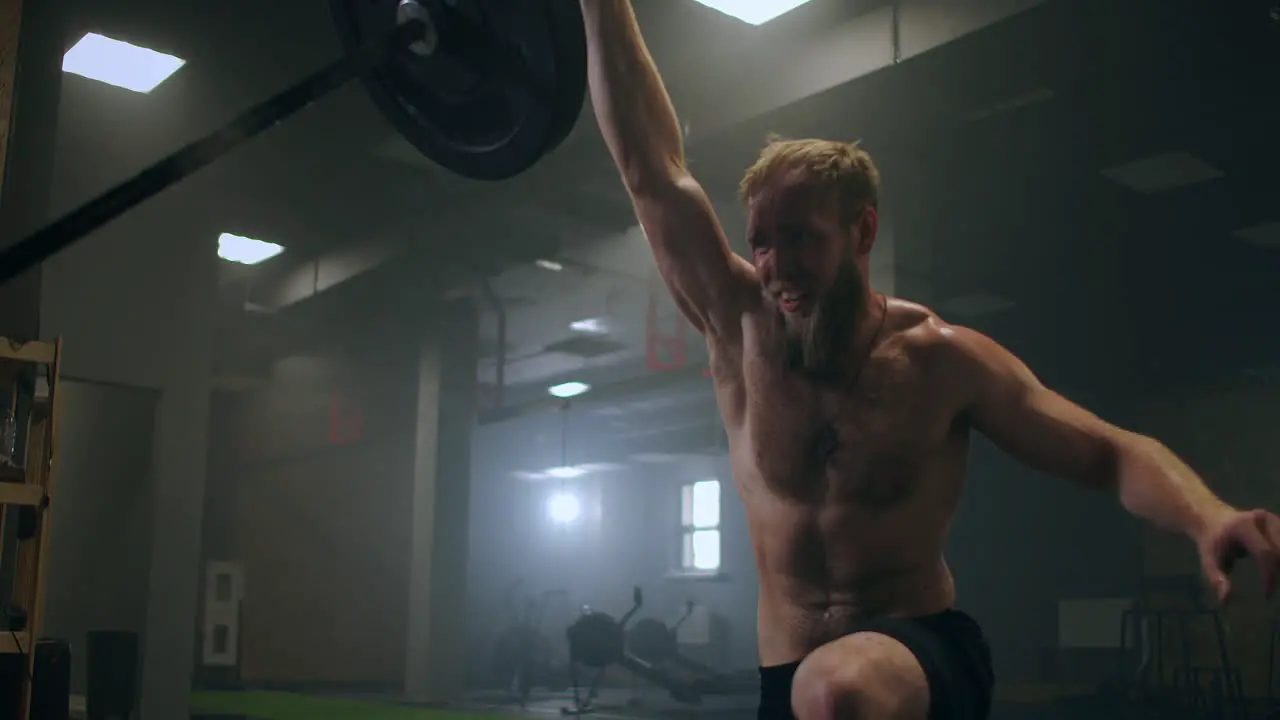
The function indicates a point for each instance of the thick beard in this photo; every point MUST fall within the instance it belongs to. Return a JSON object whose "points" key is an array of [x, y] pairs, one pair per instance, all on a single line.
{"points": [[816, 344]]}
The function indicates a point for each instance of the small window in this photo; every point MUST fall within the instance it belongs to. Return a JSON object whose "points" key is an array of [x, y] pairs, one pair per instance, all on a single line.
{"points": [[700, 526]]}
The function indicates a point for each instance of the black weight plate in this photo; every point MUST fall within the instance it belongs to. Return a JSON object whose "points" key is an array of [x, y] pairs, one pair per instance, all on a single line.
{"points": [[595, 640], [473, 117], [571, 48], [652, 641]]}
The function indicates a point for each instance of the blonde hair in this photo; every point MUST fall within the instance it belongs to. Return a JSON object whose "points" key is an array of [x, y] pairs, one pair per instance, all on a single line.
{"points": [[844, 168]]}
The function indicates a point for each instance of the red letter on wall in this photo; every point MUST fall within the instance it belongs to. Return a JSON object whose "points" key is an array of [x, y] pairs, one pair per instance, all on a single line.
{"points": [[346, 420]]}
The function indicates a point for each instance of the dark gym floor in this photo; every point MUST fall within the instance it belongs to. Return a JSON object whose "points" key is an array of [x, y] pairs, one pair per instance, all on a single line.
{"points": [[621, 704]]}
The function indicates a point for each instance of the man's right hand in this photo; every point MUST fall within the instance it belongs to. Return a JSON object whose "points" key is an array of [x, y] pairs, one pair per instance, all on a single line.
{"points": [[1235, 536]]}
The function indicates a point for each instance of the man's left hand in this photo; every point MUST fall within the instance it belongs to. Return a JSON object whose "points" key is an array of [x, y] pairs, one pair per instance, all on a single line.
{"points": [[1236, 535]]}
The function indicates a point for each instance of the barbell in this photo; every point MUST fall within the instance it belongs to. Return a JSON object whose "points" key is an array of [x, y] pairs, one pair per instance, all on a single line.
{"points": [[483, 88]]}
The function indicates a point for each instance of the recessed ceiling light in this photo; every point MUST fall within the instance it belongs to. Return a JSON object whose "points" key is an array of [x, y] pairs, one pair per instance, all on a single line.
{"points": [[1264, 235], [1162, 172], [754, 12], [594, 326], [551, 265], [1025, 100], [568, 390], [119, 63], [246, 251], [566, 472], [257, 308]]}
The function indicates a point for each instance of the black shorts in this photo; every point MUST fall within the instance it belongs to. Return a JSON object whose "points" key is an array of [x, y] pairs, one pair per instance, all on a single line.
{"points": [[950, 648]]}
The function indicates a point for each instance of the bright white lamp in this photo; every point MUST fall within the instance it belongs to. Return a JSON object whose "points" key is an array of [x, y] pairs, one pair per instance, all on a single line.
{"points": [[119, 63], [755, 12], [563, 508]]}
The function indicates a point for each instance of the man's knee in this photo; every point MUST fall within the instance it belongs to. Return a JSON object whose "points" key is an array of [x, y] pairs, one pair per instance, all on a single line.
{"points": [[823, 692], [864, 679], [817, 692]]}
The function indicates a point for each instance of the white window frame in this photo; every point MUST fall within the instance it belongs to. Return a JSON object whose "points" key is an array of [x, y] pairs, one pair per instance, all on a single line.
{"points": [[705, 532]]}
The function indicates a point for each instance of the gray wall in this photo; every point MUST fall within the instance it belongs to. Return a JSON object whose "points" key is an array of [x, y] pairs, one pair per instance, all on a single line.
{"points": [[321, 528], [349, 532], [100, 554], [134, 304]]}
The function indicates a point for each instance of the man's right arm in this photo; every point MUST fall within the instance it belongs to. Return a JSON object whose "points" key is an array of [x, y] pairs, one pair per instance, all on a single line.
{"points": [[708, 281]]}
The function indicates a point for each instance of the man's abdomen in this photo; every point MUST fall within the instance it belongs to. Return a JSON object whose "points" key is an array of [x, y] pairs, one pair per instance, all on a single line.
{"points": [[795, 620], [822, 572]]}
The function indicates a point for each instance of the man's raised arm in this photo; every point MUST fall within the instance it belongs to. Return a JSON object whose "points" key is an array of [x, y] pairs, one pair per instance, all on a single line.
{"points": [[709, 282], [1052, 434]]}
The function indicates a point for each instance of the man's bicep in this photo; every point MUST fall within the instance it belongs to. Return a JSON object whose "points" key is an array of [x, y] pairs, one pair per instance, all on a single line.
{"points": [[706, 279], [1029, 421]]}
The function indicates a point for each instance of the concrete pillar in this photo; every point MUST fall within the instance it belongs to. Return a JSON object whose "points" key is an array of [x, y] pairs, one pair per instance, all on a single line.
{"points": [[436, 638], [32, 40], [178, 461]]}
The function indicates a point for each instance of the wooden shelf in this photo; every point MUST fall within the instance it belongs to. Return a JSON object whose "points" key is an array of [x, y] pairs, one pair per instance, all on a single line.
{"points": [[20, 494], [10, 475], [33, 391], [31, 352], [14, 642]]}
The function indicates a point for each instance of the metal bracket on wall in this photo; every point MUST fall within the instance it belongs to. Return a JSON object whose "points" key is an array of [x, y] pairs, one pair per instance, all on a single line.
{"points": [[896, 29]]}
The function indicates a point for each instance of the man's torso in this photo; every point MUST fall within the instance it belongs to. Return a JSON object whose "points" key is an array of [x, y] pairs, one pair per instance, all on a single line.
{"points": [[850, 485]]}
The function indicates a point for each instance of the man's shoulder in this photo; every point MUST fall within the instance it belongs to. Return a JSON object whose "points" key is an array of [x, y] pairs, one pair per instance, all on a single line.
{"points": [[943, 353], [959, 358], [926, 335], [915, 325]]}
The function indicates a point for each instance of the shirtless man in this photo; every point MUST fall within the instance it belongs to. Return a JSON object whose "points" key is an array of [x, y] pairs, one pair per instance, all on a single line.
{"points": [[849, 413]]}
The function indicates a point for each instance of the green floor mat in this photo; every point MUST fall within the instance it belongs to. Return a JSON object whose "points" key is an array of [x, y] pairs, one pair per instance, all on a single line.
{"points": [[288, 706]]}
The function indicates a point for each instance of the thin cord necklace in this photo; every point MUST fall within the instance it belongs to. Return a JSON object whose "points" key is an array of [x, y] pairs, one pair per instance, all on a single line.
{"points": [[871, 346]]}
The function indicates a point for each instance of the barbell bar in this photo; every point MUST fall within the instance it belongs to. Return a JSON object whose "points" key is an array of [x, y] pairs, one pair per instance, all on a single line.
{"points": [[485, 88]]}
